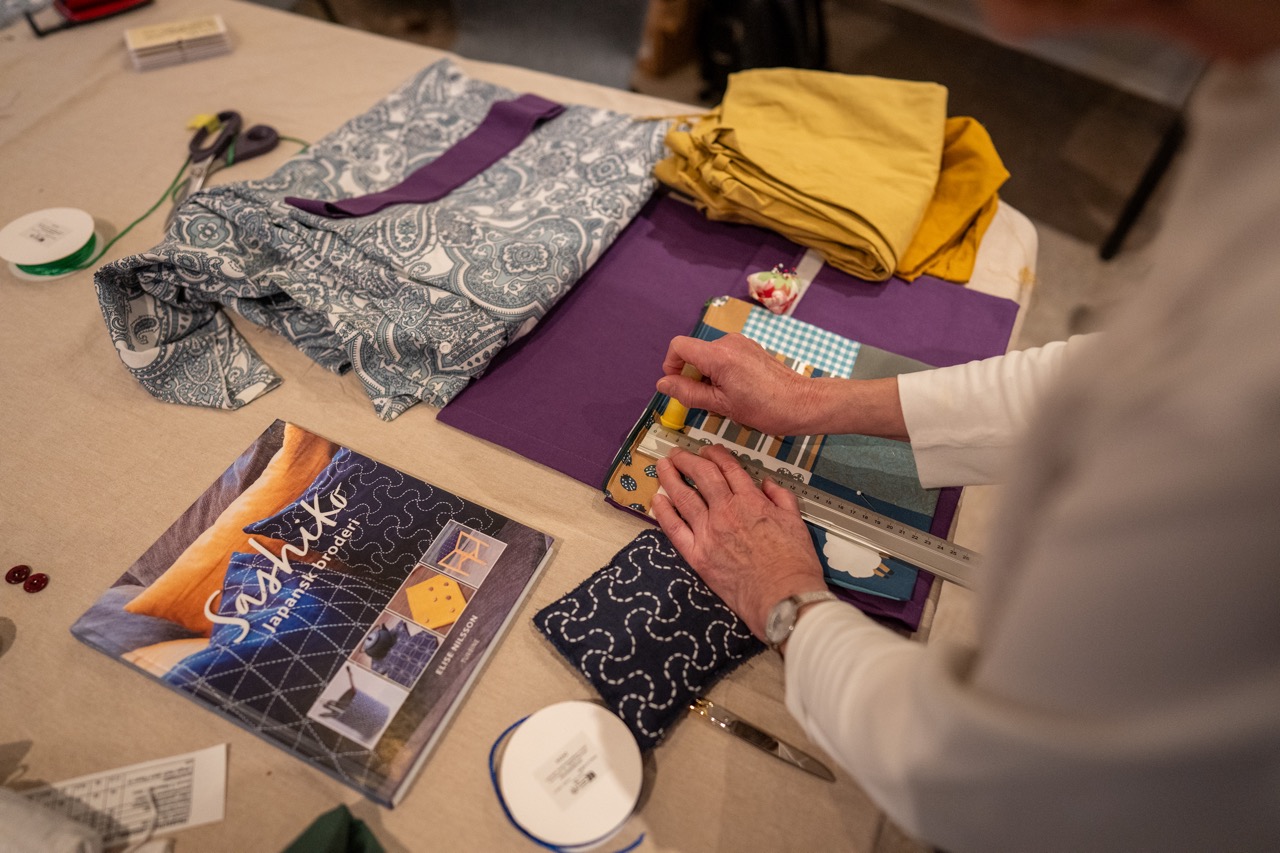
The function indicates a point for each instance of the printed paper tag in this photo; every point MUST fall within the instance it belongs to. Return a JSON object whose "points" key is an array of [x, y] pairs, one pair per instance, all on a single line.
{"points": [[568, 774]]}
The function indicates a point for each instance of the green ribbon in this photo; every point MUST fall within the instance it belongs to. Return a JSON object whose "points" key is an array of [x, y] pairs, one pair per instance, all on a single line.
{"points": [[71, 263]]}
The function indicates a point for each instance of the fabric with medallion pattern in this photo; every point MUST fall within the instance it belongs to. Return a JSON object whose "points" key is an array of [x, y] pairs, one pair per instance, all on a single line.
{"points": [[416, 298]]}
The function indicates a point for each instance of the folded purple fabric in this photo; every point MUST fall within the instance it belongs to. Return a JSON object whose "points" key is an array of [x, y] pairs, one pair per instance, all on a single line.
{"points": [[504, 127], [568, 395]]}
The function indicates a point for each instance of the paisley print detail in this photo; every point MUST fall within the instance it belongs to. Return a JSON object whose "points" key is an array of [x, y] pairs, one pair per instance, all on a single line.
{"points": [[415, 299], [524, 258]]}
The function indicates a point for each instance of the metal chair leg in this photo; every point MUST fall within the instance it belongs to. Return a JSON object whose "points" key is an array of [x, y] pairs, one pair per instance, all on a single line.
{"points": [[1159, 164]]}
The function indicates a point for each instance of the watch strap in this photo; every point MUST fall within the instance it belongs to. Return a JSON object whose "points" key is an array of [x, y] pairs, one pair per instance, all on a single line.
{"points": [[803, 598], [798, 601]]}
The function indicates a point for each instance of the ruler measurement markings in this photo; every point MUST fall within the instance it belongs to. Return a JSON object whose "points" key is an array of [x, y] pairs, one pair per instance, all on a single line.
{"points": [[863, 526]]}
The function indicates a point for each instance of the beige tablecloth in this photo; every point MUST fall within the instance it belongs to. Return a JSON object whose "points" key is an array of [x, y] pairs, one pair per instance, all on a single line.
{"points": [[93, 469]]}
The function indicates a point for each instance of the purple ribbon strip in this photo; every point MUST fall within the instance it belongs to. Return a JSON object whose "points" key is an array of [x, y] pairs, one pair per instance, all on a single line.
{"points": [[505, 127]]}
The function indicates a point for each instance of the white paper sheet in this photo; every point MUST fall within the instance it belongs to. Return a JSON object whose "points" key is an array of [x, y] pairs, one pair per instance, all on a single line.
{"points": [[129, 803]]}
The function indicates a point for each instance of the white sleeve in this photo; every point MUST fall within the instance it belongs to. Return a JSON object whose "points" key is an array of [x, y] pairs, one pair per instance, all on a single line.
{"points": [[874, 701], [1122, 690], [963, 420]]}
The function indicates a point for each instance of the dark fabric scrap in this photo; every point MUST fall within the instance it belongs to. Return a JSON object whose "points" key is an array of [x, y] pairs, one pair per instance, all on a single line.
{"points": [[648, 634], [336, 831]]}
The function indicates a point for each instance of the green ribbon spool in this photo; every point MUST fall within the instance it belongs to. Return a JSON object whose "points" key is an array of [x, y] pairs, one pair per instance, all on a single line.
{"points": [[71, 263]]}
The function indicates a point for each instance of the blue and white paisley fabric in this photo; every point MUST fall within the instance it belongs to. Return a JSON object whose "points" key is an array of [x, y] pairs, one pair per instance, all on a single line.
{"points": [[649, 635], [416, 299]]}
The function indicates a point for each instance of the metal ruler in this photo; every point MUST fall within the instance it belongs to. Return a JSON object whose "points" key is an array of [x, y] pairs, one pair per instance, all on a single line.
{"points": [[836, 515]]}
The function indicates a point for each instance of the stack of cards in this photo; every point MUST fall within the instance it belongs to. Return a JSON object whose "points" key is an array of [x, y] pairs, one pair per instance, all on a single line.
{"points": [[180, 41]]}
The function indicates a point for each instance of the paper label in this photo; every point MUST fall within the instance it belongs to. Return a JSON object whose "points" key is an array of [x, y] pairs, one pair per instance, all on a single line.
{"points": [[175, 32], [574, 767], [45, 230], [130, 803]]}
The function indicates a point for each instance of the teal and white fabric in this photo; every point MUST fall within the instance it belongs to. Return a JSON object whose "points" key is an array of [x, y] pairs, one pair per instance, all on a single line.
{"points": [[416, 299], [833, 354]]}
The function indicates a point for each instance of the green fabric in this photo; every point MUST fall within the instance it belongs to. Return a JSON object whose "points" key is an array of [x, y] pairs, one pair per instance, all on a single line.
{"points": [[336, 831]]}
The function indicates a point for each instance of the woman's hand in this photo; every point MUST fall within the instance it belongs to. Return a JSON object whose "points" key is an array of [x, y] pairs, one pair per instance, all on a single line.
{"points": [[750, 546], [748, 385], [744, 383]]}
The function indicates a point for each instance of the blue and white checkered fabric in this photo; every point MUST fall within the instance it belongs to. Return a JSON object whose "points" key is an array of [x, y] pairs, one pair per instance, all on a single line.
{"points": [[831, 353]]}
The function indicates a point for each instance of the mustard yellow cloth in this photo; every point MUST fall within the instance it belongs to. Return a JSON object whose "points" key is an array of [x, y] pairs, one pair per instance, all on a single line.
{"points": [[845, 164], [963, 205]]}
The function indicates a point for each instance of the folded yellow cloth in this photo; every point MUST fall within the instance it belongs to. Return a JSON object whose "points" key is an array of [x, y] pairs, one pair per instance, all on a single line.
{"points": [[963, 205], [849, 165], [844, 163]]}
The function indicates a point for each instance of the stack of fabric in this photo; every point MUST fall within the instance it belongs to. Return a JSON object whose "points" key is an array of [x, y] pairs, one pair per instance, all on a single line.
{"points": [[868, 171]]}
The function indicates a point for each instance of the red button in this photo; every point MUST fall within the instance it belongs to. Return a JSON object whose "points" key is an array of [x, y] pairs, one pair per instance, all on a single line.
{"points": [[36, 582], [17, 574]]}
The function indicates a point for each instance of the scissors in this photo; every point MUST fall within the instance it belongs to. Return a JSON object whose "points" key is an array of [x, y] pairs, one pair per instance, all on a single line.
{"points": [[230, 144]]}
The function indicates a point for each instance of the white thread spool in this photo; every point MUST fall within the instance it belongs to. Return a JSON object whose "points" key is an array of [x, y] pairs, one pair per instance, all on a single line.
{"points": [[571, 774], [45, 237]]}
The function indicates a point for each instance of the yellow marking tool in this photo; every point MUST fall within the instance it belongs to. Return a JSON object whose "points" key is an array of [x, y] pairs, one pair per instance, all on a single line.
{"points": [[673, 415]]}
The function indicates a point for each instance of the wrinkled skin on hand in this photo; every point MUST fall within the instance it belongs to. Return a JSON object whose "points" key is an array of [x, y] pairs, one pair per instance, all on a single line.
{"points": [[750, 545], [748, 385], [745, 383]]}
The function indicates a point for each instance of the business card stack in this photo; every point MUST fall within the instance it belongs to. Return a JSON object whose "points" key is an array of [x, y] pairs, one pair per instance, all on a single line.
{"points": [[177, 42]]}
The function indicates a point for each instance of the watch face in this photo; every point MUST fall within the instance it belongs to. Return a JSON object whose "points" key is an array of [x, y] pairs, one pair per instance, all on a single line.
{"points": [[781, 619]]}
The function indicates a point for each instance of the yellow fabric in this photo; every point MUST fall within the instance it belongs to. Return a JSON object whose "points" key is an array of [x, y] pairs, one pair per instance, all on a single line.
{"points": [[179, 594], [159, 658], [843, 163], [436, 602], [963, 205]]}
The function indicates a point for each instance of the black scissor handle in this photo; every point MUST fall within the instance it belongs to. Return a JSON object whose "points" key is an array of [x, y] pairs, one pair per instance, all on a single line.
{"points": [[258, 139], [228, 129]]}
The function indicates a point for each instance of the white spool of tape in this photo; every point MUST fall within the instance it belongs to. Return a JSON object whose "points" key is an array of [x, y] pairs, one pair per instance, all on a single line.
{"points": [[571, 774], [44, 237]]}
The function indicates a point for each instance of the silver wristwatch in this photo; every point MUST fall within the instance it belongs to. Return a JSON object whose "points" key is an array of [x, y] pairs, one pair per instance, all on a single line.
{"points": [[782, 617]]}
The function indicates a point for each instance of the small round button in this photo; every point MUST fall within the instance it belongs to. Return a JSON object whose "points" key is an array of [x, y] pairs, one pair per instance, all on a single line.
{"points": [[17, 574], [36, 582]]}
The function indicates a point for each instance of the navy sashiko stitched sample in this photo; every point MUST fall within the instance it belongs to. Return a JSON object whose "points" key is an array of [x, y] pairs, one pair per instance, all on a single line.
{"points": [[398, 517], [268, 682], [649, 635], [408, 656], [415, 298]]}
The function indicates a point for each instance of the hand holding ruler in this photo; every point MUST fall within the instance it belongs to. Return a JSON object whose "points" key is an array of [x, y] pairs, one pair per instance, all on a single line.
{"points": [[890, 538]]}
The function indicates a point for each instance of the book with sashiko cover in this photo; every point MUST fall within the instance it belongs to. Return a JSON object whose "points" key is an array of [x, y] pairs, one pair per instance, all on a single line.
{"points": [[877, 473], [330, 604]]}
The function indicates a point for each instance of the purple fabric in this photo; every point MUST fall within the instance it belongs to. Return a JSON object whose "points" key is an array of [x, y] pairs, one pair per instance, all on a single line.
{"points": [[930, 320], [568, 395], [506, 126]]}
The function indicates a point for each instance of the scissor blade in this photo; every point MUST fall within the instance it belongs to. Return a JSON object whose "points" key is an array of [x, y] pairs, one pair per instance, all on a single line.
{"points": [[788, 753], [179, 197], [760, 739]]}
